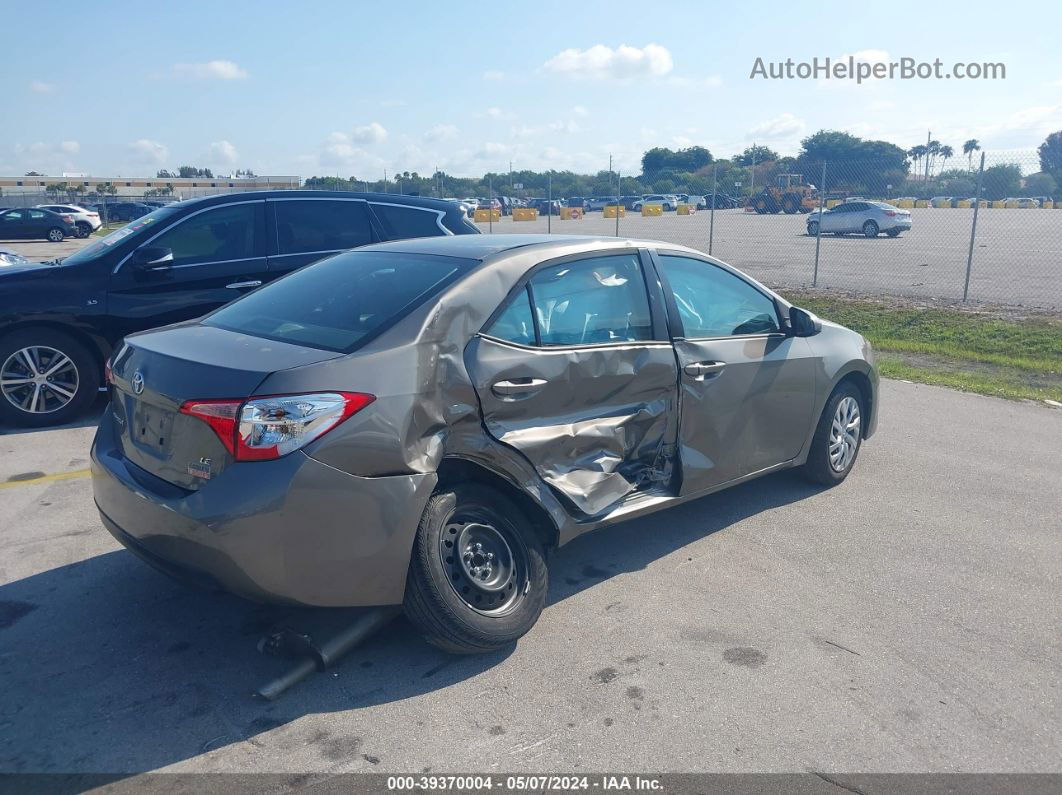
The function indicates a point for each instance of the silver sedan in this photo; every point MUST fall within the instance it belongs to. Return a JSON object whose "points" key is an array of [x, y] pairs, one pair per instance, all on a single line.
{"points": [[865, 218]]}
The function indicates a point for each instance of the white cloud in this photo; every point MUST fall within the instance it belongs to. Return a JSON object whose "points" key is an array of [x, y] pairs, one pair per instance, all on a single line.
{"points": [[144, 150], [40, 87], [579, 110], [211, 70], [495, 113], [601, 62], [783, 126], [493, 74], [441, 132], [70, 147], [372, 133], [223, 152]]}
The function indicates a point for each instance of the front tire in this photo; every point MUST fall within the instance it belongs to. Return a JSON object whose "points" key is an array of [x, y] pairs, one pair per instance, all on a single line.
{"points": [[477, 576], [813, 229], [838, 437], [46, 378]]}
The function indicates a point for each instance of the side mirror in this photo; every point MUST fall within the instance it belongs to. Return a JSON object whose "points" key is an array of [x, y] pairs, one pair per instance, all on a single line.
{"points": [[803, 323], [153, 258]]}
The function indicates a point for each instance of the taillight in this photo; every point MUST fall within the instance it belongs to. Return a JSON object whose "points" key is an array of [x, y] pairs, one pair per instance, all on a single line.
{"points": [[108, 375], [265, 428]]}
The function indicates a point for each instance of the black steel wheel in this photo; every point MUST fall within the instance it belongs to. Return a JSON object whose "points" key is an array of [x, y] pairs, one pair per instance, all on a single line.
{"points": [[477, 577]]}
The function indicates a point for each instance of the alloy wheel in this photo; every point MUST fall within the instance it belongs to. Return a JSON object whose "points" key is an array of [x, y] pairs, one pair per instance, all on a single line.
{"points": [[844, 434], [38, 379]]}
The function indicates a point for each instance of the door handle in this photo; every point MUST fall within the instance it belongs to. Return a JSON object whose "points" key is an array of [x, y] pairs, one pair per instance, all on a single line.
{"points": [[517, 386], [701, 369], [239, 285]]}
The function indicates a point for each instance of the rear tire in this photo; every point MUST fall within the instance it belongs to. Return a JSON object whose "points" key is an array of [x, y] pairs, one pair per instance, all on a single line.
{"points": [[790, 204], [838, 437], [51, 405], [870, 229], [893, 233], [83, 229], [56, 235], [477, 576]]}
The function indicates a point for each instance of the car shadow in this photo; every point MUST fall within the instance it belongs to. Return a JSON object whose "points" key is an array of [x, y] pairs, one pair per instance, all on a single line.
{"points": [[110, 667], [87, 419]]}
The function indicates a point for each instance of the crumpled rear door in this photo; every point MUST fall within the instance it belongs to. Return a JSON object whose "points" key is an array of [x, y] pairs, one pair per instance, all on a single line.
{"points": [[596, 423]]}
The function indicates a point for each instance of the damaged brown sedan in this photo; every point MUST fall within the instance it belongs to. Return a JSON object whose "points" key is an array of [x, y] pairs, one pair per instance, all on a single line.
{"points": [[423, 422]]}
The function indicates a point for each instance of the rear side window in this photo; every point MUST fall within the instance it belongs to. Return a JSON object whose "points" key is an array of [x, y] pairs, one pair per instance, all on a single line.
{"points": [[582, 302], [402, 222], [309, 225], [218, 235], [341, 302]]}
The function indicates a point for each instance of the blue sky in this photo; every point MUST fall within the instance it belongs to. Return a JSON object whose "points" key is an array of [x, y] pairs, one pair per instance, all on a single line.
{"points": [[355, 88]]}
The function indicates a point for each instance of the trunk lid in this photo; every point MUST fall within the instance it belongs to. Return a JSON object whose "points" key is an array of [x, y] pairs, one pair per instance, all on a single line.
{"points": [[156, 372]]}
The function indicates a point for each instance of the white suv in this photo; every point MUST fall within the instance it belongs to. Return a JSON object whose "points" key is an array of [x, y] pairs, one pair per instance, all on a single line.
{"points": [[86, 221]]}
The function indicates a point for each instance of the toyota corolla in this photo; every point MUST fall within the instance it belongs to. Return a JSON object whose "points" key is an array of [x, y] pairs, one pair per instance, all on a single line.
{"points": [[425, 422]]}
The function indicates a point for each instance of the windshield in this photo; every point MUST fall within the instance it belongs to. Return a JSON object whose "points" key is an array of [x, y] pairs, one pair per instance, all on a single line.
{"points": [[133, 229], [341, 302]]}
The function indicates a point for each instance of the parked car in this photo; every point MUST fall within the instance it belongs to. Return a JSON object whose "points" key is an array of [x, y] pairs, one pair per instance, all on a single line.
{"points": [[630, 201], [866, 218], [598, 203], [395, 425], [579, 202], [86, 221], [126, 211], [490, 204], [723, 201], [33, 223], [178, 262], [667, 202], [941, 201], [545, 206], [9, 257]]}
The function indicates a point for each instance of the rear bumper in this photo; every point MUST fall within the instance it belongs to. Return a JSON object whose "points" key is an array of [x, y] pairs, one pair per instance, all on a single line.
{"points": [[292, 531]]}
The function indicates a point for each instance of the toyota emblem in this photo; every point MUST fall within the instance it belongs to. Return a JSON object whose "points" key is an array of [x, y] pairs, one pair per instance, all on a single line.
{"points": [[138, 382]]}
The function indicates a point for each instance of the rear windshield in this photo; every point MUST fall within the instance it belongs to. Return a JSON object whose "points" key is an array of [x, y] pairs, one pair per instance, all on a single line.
{"points": [[341, 302], [135, 229]]}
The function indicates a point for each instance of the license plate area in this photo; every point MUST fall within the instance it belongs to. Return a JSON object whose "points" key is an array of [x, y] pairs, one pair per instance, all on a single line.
{"points": [[150, 429]]}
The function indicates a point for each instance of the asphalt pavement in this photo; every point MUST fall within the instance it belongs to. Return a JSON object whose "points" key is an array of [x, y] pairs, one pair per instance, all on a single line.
{"points": [[907, 620]]}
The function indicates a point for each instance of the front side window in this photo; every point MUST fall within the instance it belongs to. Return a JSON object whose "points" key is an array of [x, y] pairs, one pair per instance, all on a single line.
{"points": [[321, 225], [224, 233], [715, 303], [592, 301], [402, 222]]}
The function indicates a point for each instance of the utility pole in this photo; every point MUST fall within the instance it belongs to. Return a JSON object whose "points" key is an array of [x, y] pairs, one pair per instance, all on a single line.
{"points": [[753, 185]]}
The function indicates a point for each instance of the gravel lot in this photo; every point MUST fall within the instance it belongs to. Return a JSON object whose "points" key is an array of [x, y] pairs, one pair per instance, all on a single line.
{"points": [[1017, 258], [905, 621]]}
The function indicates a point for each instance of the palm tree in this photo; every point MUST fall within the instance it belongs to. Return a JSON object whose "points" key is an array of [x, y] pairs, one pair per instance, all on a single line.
{"points": [[932, 150], [916, 153], [945, 152], [969, 148]]}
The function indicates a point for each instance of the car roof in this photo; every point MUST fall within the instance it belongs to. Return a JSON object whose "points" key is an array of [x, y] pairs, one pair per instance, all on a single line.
{"points": [[483, 247], [397, 198]]}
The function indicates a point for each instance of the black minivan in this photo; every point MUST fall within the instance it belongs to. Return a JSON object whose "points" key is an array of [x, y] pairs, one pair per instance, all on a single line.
{"points": [[59, 321]]}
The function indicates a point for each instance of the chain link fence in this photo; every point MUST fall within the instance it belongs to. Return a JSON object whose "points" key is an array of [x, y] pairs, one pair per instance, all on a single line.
{"points": [[985, 229]]}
